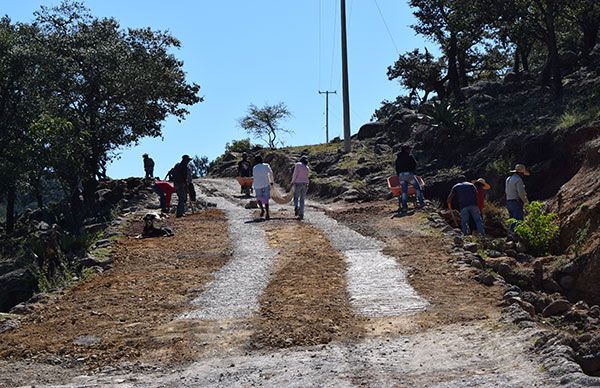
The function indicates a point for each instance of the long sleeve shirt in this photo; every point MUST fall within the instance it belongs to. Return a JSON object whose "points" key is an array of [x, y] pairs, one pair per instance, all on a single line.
{"points": [[300, 174], [515, 189], [405, 162]]}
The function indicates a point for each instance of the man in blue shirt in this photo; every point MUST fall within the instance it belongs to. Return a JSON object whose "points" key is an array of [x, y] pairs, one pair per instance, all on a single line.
{"points": [[466, 194]]}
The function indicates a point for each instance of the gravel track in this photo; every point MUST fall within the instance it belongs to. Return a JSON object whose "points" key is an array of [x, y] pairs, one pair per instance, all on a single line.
{"points": [[236, 287], [377, 285]]}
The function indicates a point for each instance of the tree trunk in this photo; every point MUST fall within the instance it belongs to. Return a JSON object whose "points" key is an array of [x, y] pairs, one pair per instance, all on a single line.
{"points": [[524, 55], [11, 197], [453, 81], [89, 194], [463, 80], [553, 69], [590, 26], [517, 60]]}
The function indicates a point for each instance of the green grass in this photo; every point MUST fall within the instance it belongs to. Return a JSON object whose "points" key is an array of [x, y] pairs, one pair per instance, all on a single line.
{"points": [[572, 118], [316, 149]]}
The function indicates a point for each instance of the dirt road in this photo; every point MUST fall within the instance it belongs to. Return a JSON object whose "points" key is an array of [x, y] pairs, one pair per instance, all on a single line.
{"points": [[351, 296]]}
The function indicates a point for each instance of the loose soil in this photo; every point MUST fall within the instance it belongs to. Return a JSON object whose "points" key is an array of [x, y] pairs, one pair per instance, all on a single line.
{"points": [[124, 308], [305, 332], [306, 302], [455, 297]]}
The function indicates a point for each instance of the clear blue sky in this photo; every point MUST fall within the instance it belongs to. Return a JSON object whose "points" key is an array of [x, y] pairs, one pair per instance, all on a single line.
{"points": [[261, 51]]}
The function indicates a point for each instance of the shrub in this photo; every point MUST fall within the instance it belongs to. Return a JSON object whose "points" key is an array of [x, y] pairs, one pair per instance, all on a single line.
{"points": [[538, 229], [494, 219]]}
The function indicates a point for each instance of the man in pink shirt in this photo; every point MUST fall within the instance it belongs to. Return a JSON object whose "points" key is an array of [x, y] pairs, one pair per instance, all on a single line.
{"points": [[300, 182]]}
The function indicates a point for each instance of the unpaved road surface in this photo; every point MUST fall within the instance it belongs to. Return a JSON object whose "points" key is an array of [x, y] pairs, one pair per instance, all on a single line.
{"points": [[349, 297]]}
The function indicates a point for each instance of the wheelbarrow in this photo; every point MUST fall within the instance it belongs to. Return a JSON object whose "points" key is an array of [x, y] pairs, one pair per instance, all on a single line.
{"points": [[245, 184], [396, 188]]}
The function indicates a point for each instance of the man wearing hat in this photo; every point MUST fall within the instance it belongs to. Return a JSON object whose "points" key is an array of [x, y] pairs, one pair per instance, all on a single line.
{"points": [[516, 197], [179, 174], [148, 166], [300, 183]]}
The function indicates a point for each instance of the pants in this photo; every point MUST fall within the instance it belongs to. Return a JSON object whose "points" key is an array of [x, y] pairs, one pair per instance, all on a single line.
{"points": [[192, 191], [263, 194], [405, 179], [515, 210], [161, 197], [181, 189], [471, 212], [300, 190], [150, 173]]}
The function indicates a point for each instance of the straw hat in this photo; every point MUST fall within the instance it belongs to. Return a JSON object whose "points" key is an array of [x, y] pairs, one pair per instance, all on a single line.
{"points": [[486, 186], [520, 168]]}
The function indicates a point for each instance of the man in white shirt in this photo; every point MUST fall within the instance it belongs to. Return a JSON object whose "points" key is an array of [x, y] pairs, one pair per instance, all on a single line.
{"points": [[516, 197], [263, 180]]}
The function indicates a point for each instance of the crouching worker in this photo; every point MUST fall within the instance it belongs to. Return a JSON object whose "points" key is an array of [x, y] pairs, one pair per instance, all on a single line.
{"points": [[263, 180], [164, 190], [150, 230], [466, 194]]}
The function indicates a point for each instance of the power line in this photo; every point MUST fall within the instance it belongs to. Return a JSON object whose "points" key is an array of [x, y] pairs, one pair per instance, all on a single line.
{"points": [[386, 27]]}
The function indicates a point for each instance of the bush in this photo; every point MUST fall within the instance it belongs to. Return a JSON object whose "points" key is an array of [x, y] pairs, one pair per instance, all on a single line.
{"points": [[538, 229], [494, 219], [242, 145]]}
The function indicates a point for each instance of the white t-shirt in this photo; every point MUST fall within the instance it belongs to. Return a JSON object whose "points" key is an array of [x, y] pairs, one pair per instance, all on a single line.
{"points": [[263, 175]]}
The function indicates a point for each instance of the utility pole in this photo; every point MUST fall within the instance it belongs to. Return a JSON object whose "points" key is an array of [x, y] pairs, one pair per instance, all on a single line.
{"points": [[345, 95], [327, 93]]}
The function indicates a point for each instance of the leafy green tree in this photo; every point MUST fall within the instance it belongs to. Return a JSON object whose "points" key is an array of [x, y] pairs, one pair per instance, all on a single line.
{"points": [[418, 71], [586, 13], [263, 123], [456, 25], [539, 228], [114, 86], [20, 57], [199, 166]]}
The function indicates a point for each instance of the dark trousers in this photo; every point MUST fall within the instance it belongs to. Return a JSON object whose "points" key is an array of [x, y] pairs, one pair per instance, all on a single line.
{"points": [[181, 189], [192, 192], [515, 210]]}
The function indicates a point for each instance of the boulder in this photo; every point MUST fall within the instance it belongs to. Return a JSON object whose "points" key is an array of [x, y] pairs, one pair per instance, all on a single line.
{"points": [[15, 287], [511, 77], [558, 307], [370, 130]]}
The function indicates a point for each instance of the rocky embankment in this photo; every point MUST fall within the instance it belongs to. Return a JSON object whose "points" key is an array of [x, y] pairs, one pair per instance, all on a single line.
{"points": [[45, 253]]}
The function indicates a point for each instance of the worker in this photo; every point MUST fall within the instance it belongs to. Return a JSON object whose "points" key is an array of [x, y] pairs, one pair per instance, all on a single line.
{"points": [[466, 194], [300, 183], [405, 168], [244, 171], [148, 166], [165, 190], [482, 188], [179, 174], [516, 196], [263, 180]]}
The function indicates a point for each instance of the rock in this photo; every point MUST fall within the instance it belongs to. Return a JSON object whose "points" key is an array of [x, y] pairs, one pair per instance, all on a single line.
{"points": [[590, 363], [370, 130], [15, 287], [363, 171], [595, 311], [86, 340], [458, 241], [517, 314], [102, 243], [20, 309], [511, 294], [567, 282], [471, 247], [535, 300], [504, 269], [494, 254], [92, 261], [550, 286], [557, 307], [511, 77], [381, 149], [526, 306], [251, 205], [9, 324], [509, 245], [511, 252], [485, 278], [524, 258]]}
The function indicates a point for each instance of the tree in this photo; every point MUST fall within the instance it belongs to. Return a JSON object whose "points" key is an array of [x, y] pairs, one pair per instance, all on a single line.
{"points": [[263, 123], [456, 25], [199, 166], [20, 59], [114, 86], [419, 71]]}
